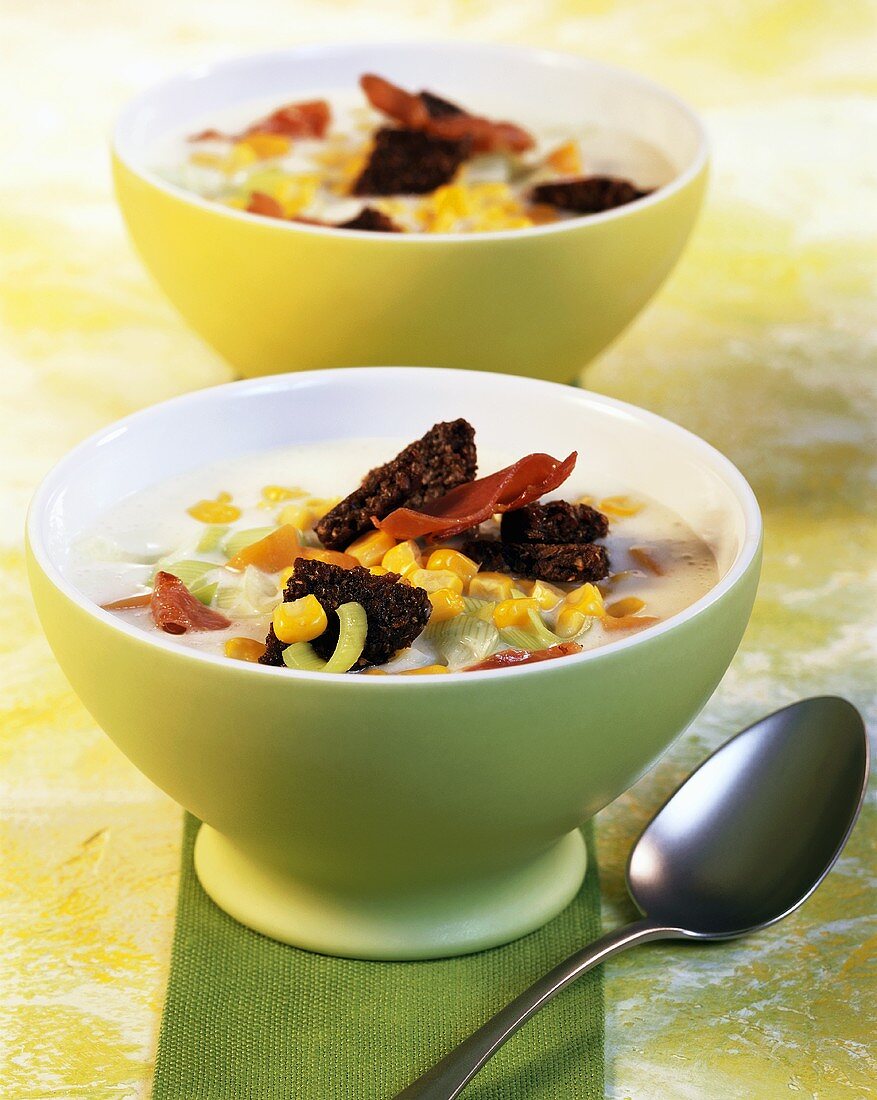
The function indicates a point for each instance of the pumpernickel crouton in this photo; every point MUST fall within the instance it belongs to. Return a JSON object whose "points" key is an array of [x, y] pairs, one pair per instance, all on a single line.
{"points": [[442, 459], [563, 563], [557, 521], [410, 162], [372, 221], [397, 612], [589, 195]]}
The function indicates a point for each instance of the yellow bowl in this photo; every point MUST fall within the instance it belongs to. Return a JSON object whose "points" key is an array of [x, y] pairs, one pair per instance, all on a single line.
{"points": [[275, 296], [393, 816]]}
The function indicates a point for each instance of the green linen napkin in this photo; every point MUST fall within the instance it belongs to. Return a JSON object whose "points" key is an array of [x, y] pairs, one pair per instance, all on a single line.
{"points": [[249, 1019]]}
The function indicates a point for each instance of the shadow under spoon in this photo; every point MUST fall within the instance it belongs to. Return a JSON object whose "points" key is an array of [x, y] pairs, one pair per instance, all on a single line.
{"points": [[740, 845]]}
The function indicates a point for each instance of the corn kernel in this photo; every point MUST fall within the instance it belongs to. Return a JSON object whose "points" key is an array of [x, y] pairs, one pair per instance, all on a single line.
{"points": [[403, 558], [276, 494], [491, 586], [295, 193], [458, 563], [588, 600], [300, 620], [434, 579], [220, 510], [369, 549], [566, 158], [268, 145], [322, 505], [299, 516], [620, 506], [446, 604], [514, 612], [285, 576], [628, 606], [378, 571], [207, 160], [569, 622], [244, 649], [424, 670], [240, 156], [545, 594]]}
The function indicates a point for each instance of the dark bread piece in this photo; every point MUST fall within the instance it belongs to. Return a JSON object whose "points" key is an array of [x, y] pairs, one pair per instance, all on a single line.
{"points": [[442, 459], [556, 521], [371, 220], [409, 162], [588, 195], [564, 563], [397, 612]]}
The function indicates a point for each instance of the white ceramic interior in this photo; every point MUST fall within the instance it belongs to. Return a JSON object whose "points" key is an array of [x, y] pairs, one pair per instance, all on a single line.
{"points": [[617, 443], [535, 87]]}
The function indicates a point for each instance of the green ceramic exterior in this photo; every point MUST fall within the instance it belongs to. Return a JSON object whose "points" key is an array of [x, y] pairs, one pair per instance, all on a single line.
{"points": [[273, 296], [266, 297], [393, 818]]}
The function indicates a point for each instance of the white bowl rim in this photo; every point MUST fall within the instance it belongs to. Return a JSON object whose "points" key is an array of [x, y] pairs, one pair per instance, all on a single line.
{"points": [[551, 57], [721, 465]]}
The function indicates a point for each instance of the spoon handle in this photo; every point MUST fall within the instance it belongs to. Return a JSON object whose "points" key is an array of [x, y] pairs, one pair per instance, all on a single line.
{"points": [[448, 1077]]}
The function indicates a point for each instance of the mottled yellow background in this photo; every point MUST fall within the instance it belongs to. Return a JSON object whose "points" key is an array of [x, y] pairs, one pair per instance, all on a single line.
{"points": [[763, 342]]}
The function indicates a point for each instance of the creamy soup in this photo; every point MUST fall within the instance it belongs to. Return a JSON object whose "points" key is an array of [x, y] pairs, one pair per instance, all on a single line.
{"points": [[193, 525], [286, 170]]}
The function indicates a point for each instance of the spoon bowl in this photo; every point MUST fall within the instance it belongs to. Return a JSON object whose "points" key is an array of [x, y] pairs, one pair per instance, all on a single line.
{"points": [[741, 844], [751, 834]]}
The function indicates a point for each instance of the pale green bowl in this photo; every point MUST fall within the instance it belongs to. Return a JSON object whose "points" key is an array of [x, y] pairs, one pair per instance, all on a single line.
{"points": [[394, 817], [277, 296]]}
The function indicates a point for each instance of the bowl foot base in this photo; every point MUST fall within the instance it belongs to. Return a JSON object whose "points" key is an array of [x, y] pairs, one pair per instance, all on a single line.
{"points": [[452, 920]]}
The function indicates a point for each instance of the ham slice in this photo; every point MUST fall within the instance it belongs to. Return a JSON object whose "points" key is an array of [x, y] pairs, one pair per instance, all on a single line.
{"points": [[508, 658], [301, 120], [175, 610], [468, 505], [449, 123]]}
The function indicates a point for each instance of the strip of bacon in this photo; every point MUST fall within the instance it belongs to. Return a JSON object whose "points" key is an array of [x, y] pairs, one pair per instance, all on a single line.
{"points": [[302, 120], [468, 505], [263, 204], [508, 658], [175, 610], [412, 111]]}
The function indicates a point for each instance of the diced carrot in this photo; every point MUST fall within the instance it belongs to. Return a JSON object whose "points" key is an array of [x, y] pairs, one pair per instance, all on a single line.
{"points": [[647, 560], [281, 549], [628, 622], [128, 602], [333, 557], [270, 554], [566, 158]]}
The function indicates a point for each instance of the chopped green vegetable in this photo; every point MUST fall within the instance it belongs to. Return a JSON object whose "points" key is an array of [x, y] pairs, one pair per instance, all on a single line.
{"points": [[240, 540], [465, 639], [535, 637], [302, 657], [246, 595], [189, 572], [212, 538], [353, 630], [482, 609]]}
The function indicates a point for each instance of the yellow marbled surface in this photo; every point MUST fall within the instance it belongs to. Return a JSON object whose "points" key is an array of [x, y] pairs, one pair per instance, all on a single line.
{"points": [[763, 342]]}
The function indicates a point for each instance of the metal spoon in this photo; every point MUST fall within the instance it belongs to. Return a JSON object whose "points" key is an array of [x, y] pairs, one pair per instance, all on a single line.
{"points": [[740, 845]]}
